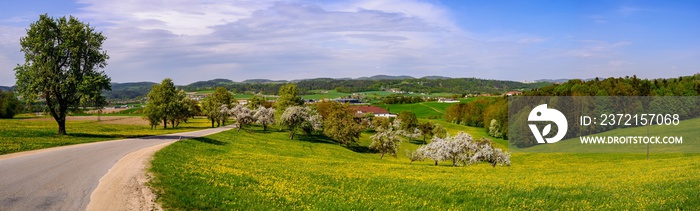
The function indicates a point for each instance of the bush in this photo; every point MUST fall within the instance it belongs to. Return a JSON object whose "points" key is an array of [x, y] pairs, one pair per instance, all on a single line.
{"points": [[9, 105]]}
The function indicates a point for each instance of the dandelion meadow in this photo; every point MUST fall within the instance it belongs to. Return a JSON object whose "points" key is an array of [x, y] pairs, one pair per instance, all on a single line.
{"points": [[264, 170]]}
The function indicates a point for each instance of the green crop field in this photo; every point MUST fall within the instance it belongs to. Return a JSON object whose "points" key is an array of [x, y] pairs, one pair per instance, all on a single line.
{"points": [[431, 110], [23, 134], [325, 94], [266, 171]]}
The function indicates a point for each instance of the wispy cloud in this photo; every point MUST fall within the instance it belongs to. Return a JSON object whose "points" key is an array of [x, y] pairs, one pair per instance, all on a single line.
{"points": [[597, 48], [279, 40]]}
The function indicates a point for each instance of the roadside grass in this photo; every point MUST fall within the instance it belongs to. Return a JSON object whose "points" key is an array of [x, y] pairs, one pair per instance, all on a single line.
{"points": [[263, 170], [21, 134]]}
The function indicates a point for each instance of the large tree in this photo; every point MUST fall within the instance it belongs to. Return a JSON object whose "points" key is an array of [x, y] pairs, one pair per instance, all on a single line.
{"points": [[63, 62], [166, 103], [339, 122]]}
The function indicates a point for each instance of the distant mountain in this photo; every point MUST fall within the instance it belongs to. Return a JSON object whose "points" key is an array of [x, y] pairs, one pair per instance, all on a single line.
{"points": [[385, 77], [262, 81], [6, 88], [427, 84], [435, 77], [563, 80], [257, 81], [124, 91]]}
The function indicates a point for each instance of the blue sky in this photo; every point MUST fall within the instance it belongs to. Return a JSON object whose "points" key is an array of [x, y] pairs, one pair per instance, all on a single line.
{"points": [[192, 40]]}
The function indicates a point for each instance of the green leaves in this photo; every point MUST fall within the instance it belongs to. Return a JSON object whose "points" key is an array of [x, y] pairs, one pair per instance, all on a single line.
{"points": [[63, 58]]}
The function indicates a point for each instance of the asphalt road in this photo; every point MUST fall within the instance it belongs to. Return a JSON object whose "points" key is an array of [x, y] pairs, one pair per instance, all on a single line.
{"points": [[63, 178]]}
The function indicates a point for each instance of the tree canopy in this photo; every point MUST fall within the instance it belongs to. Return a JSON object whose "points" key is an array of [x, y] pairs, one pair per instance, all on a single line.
{"points": [[166, 103], [288, 96], [63, 58], [9, 105]]}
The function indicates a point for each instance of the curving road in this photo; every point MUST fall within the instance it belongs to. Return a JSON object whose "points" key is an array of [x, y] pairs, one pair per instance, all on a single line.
{"points": [[63, 178]]}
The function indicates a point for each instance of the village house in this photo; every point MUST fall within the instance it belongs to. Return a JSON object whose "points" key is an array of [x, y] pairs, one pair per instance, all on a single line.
{"points": [[361, 111], [514, 93]]}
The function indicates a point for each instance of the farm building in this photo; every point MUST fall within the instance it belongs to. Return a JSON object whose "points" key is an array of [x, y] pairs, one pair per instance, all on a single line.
{"points": [[447, 100], [513, 93], [377, 111]]}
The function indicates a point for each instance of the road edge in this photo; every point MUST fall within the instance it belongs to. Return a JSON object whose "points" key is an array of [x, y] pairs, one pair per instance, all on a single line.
{"points": [[124, 187]]}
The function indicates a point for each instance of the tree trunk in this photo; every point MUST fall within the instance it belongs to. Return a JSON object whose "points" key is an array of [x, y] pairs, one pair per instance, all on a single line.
{"points": [[264, 127], [212, 123], [382, 156], [62, 126], [436, 163], [291, 135], [165, 123]]}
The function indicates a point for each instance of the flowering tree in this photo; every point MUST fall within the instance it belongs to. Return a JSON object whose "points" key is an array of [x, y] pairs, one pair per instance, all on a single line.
{"points": [[386, 141], [494, 156], [264, 116], [223, 113], [463, 149], [301, 117], [242, 115]]}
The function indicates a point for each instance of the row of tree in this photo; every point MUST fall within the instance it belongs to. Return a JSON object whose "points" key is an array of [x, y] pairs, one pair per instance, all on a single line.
{"points": [[168, 104], [400, 99], [490, 113]]}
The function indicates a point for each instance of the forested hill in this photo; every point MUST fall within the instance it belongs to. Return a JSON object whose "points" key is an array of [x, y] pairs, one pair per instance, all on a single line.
{"points": [[124, 91], [405, 83], [628, 86], [429, 84]]}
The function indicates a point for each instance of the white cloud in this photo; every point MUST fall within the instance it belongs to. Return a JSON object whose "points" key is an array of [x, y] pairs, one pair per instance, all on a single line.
{"points": [[279, 40]]}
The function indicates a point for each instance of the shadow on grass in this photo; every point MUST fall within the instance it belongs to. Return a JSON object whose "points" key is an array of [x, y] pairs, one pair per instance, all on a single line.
{"points": [[314, 139], [209, 141], [417, 142], [87, 135], [326, 140]]}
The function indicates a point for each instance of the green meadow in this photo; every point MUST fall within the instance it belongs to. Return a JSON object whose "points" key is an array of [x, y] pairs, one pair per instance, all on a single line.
{"points": [[23, 134], [264, 170]]}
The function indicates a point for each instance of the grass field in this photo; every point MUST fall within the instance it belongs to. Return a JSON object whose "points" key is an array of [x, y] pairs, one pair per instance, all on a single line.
{"points": [[23, 134], [266, 171], [432, 109], [325, 94]]}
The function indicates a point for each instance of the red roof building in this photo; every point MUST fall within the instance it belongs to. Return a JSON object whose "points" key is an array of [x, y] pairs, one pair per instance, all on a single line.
{"points": [[377, 111]]}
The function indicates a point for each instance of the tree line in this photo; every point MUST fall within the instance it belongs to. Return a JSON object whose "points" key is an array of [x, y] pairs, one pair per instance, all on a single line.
{"points": [[490, 113]]}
